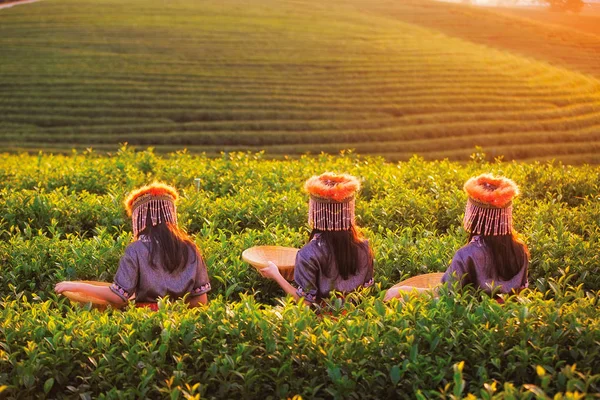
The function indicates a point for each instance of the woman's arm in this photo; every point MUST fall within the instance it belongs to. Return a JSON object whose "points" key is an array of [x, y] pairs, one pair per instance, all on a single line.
{"points": [[196, 301], [397, 292], [101, 292], [272, 272]]}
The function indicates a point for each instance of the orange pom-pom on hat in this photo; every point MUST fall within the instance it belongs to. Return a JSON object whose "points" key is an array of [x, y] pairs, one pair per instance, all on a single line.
{"points": [[157, 198], [491, 190], [336, 187], [332, 201], [489, 207]]}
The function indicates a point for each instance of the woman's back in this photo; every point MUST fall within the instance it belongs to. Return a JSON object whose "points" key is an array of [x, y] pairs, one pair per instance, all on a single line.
{"points": [[317, 274], [475, 264], [161, 261], [149, 281], [336, 257]]}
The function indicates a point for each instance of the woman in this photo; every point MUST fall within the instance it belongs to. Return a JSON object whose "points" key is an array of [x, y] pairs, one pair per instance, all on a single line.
{"points": [[162, 260], [337, 257], [494, 260]]}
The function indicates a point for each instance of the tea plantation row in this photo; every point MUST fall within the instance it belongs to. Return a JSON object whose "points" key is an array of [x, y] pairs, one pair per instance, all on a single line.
{"points": [[384, 77], [62, 218]]}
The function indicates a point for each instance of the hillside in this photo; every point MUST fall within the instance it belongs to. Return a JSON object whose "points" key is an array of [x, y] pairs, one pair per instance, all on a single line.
{"points": [[565, 40], [383, 77], [588, 21]]}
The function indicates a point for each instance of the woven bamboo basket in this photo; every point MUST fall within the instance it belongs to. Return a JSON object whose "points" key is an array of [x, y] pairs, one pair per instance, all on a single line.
{"points": [[425, 281], [283, 257], [79, 297]]}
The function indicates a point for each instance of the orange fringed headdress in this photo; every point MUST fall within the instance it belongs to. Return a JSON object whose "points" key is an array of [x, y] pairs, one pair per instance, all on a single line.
{"points": [[489, 207], [156, 197], [332, 200]]}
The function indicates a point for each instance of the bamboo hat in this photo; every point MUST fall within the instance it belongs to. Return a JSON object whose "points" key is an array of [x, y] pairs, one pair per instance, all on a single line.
{"points": [[489, 207]]}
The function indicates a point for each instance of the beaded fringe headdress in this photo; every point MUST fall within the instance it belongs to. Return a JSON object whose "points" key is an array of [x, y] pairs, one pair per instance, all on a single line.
{"points": [[332, 200], [489, 207], [159, 199]]}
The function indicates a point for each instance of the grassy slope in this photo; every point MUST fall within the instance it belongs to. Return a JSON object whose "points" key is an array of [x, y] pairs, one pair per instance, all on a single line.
{"points": [[290, 77], [564, 40], [587, 21]]}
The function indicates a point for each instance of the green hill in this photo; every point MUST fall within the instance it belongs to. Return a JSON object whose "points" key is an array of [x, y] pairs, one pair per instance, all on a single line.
{"points": [[290, 77]]}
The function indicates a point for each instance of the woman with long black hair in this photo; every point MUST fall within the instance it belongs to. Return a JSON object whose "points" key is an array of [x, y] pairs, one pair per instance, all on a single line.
{"points": [[161, 261], [337, 257], [494, 259]]}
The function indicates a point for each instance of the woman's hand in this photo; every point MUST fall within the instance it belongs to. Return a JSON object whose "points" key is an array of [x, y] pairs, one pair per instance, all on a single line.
{"points": [[392, 293], [197, 301], [271, 272], [397, 292], [401, 293], [66, 286]]}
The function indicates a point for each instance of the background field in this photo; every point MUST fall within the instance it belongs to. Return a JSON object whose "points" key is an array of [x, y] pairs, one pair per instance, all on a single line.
{"points": [[384, 77], [62, 218]]}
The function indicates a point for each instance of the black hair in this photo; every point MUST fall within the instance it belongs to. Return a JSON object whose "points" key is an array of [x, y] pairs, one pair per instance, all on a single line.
{"points": [[508, 251], [344, 246], [169, 244]]}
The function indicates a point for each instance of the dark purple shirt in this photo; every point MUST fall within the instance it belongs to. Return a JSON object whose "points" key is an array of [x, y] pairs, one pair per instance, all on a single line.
{"points": [[136, 276], [473, 264], [316, 272]]}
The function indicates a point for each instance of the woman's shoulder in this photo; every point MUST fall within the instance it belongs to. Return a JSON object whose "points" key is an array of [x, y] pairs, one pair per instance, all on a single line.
{"points": [[317, 242], [139, 246], [314, 245], [315, 249], [365, 243], [475, 246], [194, 256]]}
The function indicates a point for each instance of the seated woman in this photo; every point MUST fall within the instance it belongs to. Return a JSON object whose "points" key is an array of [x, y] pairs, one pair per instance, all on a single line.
{"points": [[162, 260], [337, 257], [494, 260]]}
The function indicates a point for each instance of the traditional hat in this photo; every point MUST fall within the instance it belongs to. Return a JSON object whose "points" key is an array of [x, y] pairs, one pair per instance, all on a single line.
{"points": [[331, 204], [159, 199], [489, 207]]}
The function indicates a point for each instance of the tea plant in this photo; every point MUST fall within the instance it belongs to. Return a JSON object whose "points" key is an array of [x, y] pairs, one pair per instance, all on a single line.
{"points": [[449, 346], [63, 218]]}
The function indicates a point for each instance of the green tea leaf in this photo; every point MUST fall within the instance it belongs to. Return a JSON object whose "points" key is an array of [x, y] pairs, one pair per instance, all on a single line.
{"points": [[395, 375], [48, 385]]}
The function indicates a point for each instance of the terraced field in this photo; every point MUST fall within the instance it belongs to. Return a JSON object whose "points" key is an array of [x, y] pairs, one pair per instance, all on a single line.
{"points": [[587, 21], [565, 40], [295, 76]]}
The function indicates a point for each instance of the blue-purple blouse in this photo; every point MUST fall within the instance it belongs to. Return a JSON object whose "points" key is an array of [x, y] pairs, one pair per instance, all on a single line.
{"points": [[136, 276], [316, 272], [473, 264]]}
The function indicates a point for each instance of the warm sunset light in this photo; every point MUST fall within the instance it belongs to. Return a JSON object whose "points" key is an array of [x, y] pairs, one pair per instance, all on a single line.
{"points": [[299, 199]]}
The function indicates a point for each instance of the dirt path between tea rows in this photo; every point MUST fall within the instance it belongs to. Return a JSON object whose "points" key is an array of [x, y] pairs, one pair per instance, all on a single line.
{"points": [[16, 3]]}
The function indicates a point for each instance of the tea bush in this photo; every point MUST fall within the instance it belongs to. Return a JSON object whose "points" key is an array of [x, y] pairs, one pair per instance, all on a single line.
{"points": [[453, 345], [62, 218]]}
